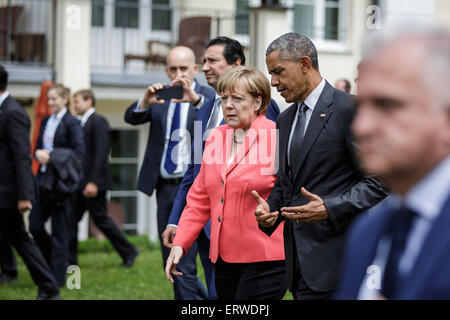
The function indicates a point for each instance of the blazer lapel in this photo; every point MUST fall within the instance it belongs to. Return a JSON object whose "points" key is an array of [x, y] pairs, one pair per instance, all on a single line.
{"points": [[319, 118]]}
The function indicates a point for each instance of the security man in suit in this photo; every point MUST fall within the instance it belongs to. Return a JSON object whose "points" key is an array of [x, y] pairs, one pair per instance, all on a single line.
{"points": [[167, 155], [402, 127], [17, 192], [319, 188], [96, 181]]}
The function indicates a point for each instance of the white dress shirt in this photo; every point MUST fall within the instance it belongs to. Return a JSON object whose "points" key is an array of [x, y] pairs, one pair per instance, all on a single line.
{"points": [[3, 97], [310, 101], [84, 118]]}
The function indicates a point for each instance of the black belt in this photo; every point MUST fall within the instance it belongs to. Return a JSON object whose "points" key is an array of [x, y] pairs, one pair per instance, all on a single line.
{"points": [[174, 182]]}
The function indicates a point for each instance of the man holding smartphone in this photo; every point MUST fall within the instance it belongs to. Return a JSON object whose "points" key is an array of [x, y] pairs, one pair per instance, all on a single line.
{"points": [[167, 155]]}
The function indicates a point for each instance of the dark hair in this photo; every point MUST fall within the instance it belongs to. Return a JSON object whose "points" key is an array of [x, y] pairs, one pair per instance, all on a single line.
{"points": [[86, 94], [3, 78], [293, 46], [232, 49], [347, 85]]}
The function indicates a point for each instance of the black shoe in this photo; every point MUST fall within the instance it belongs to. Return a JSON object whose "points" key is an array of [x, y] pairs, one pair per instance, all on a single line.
{"points": [[128, 263], [5, 278], [48, 296]]}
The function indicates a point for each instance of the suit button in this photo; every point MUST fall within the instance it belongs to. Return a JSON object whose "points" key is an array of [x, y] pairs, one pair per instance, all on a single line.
{"points": [[219, 219], [221, 201]]}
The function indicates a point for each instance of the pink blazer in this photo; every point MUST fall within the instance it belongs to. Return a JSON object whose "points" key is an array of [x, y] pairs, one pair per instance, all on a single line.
{"points": [[223, 193]]}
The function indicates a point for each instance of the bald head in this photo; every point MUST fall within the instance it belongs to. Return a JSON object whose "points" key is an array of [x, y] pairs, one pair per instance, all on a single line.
{"points": [[181, 52], [181, 62]]}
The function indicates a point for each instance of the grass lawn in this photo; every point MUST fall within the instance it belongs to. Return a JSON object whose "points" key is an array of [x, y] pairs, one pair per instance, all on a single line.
{"points": [[103, 279]]}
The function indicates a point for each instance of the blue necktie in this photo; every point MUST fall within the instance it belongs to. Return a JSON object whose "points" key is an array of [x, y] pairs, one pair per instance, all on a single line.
{"points": [[169, 164], [398, 231]]}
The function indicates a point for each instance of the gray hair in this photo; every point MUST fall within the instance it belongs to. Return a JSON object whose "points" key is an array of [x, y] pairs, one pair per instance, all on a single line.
{"points": [[435, 43], [293, 46]]}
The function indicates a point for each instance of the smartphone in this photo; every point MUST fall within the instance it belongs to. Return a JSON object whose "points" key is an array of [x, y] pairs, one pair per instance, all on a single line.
{"points": [[167, 93]]}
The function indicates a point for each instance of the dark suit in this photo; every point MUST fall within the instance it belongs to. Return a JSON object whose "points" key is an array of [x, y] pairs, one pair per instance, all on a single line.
{"points": [[194, 168], [326, 168], [96, 169], [429, 277], [187, 286], [17, 183], [68, 135]]}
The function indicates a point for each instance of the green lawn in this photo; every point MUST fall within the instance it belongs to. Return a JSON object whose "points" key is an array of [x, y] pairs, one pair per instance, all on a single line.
{"points": [[103, 279]]}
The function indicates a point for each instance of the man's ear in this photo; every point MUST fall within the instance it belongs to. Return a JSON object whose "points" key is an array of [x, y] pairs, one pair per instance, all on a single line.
{"points": [[306, 63], [237, 63]]}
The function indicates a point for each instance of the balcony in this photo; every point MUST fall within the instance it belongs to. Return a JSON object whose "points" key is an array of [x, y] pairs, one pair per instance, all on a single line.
{"points": [[130, 39], [25, 39]]}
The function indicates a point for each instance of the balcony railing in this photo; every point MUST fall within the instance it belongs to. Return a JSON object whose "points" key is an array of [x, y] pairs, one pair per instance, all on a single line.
{"points": [[132, 38], [25, 32]]}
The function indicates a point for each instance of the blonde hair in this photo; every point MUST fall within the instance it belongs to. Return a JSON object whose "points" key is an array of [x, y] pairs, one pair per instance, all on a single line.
{"points": [[62, 91], [250, 79]]}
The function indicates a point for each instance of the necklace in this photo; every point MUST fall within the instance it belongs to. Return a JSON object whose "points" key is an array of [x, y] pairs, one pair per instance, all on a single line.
{"points": [[236, 141]]}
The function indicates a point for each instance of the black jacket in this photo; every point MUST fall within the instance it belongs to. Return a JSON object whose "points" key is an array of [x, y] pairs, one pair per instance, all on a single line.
{"points": [[96, 161], [327, 168], [62, 176], [16, 176]]}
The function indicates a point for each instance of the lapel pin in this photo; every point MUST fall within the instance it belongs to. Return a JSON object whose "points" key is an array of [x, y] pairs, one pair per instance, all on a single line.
{"points": [[322, 115]]}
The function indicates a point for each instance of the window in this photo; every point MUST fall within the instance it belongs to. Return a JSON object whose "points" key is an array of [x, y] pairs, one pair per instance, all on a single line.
{"points": [[126, 14], [98, 13], [242, 17], [161, 15], [321, 20], [124, 169], [331, 19]]}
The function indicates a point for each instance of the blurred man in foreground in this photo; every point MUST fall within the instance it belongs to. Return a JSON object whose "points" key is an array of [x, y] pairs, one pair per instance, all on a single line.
{"points": [[402, 127]]}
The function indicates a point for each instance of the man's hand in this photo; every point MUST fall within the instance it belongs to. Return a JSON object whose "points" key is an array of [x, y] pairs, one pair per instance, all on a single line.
{"points": [[150, 96], [90, 190], [174, 258], [168, 235], [24, 206], [189, 94], [43, 156], [311, 212], [263, 215]]}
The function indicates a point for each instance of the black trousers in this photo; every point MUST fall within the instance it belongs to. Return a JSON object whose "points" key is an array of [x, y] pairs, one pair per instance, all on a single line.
{"points": [[54, 247], [188, 286], [301, 290], [8, 263], [99, 213], [13, 229], [265, 280]]}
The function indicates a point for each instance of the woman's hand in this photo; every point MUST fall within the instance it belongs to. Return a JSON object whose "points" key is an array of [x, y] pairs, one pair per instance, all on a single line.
{"points": [[43, 156], [174, 258]]}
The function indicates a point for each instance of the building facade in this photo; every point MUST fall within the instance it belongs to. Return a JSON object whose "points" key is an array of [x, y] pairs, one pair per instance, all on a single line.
{"points": [[117, 48]]}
